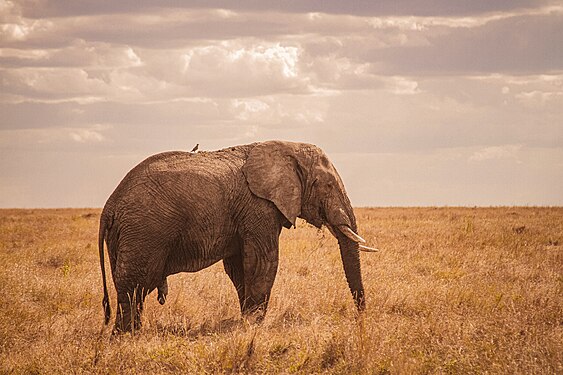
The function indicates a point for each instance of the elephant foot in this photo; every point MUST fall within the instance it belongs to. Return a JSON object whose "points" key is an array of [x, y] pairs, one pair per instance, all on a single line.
{"points": [[256, 317], [127, 320], [255, 314], [162, 292]]}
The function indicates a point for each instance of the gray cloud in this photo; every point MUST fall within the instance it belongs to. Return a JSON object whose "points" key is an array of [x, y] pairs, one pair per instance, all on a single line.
{"points": [[78, 54], [61, 8], [517, 45], [31, 115]]}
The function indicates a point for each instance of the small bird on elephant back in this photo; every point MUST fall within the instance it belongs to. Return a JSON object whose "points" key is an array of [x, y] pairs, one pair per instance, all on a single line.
{"points": [[184, 211]]}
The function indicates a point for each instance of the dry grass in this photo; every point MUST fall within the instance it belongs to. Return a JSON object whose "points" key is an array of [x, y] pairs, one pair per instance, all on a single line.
{"points": [[455, 290]]}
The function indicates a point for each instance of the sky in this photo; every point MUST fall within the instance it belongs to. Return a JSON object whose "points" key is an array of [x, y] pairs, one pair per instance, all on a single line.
{"points": [[417, 103]]}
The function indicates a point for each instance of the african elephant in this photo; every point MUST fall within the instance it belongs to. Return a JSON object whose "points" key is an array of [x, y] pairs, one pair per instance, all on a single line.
{"points": [[184, 211]]}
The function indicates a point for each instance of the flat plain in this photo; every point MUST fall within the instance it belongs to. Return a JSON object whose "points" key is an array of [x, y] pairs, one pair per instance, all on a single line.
{"points": [[453, 290]]}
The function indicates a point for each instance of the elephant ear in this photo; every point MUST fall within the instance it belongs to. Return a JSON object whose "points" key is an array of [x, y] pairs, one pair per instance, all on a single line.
{"points": [[273, 173]]}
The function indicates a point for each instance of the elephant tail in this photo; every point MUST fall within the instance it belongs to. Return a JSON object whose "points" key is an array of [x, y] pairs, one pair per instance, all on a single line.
{"points": [[101, 238]]}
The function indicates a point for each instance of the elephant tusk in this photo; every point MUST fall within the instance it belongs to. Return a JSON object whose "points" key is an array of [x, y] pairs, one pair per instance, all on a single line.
{"points": [[368, 249], [351, 234]]}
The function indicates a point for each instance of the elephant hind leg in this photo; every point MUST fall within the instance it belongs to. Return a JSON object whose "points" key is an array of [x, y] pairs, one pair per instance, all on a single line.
{"points": [[162, 291], [129, 309]]}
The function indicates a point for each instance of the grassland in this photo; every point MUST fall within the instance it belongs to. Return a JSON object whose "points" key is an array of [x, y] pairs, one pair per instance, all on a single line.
{"points": [[454, 290]]}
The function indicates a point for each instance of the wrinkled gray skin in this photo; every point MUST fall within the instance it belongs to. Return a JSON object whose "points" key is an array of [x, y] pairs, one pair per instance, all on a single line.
{"points": [[182, 212]]}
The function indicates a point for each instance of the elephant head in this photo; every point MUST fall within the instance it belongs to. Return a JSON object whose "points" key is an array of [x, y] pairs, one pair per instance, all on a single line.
{"points": [[302, 182]]}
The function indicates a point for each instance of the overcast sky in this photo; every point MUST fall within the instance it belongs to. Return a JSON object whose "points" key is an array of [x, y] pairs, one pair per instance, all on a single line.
{"points": [[440, 102]]}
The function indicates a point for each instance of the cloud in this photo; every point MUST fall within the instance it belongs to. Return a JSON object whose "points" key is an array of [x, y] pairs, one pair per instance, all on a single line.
{"points": [[496, 153], [403, 86], [250, 108], [397, 44], [79, 54], [232, 69], [165, 28], [61, 8], [539, 97], [86, 135], [225, 69], [52, 83], [63, 139], [515, 45]]}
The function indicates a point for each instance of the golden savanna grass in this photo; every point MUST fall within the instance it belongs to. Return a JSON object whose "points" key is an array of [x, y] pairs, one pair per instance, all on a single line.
{"points": [[453, 290]]}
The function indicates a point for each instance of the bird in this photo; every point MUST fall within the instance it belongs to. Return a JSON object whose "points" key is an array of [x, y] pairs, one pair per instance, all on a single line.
{"points": [[195, 148]]}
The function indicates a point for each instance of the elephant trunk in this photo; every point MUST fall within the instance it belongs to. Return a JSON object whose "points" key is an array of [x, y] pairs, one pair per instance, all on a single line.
{"points": [[349, 251], [342, 224]]}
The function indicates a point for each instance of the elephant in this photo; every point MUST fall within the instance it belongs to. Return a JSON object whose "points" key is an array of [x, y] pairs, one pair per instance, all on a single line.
{"points": [[184, 211]]}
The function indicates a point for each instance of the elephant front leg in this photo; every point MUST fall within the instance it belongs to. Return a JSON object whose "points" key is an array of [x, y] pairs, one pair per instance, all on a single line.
{"points": [[260, 268], [234, 268]]}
